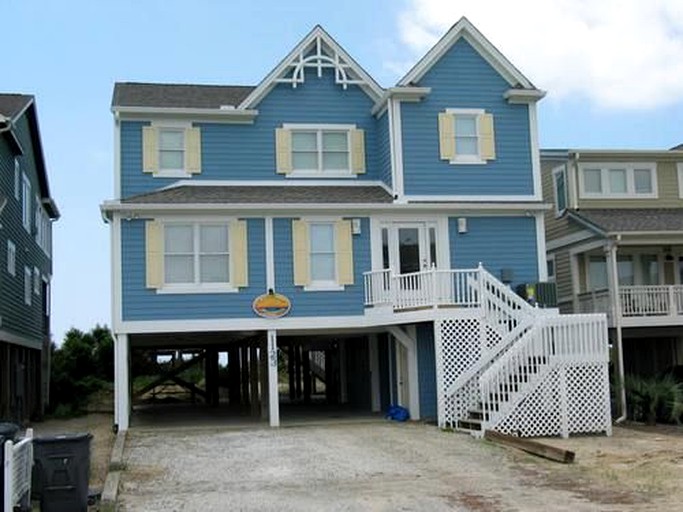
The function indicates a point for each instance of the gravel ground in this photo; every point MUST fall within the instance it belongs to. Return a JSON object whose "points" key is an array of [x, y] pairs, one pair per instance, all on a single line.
{"points": [[378, 466]]}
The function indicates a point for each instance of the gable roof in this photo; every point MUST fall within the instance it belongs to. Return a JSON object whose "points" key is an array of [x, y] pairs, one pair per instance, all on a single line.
{"points": [[132, 94], [464, 29], [347, 70], [12, 107], [632, 220]]}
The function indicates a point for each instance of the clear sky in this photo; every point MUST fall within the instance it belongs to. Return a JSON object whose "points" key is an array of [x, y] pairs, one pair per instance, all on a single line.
{"points": [[613, 71]]}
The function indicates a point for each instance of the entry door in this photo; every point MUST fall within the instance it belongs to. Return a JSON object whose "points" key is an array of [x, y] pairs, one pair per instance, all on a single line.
{"points": [[409, 246]]}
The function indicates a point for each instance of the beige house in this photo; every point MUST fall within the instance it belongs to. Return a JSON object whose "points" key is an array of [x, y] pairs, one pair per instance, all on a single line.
{"points": [[615, 245]]}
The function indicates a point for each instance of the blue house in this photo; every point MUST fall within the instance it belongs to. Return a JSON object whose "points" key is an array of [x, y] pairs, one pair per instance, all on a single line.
{"points": [[27, 211], [367, 237]]}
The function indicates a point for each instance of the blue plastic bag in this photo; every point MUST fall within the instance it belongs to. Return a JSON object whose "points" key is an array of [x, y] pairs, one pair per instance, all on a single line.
{"points": [[397, 413]]}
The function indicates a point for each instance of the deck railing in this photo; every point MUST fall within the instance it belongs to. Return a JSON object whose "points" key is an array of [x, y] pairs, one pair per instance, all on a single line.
{"points": [[637, 301]]}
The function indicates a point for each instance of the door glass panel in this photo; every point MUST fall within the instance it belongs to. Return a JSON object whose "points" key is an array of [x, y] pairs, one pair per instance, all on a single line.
{"points": [[597, 273], [385, 248], [432, 248], [625, 270], [408, 250], [649, 268], [680, 270]]}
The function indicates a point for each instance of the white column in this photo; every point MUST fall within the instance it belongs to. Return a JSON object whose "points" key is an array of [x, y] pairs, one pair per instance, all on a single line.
{"points": [[122, 382], [273, 394], [413, 376], [613, 282], [373, 355]]}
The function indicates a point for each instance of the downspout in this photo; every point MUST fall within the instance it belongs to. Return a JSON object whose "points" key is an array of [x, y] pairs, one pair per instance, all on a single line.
{"points": [[616, 301]]}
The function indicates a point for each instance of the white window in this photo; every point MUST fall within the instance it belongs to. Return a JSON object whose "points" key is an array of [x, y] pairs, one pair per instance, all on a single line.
{"points": [[11, 258], [17, 179], [466, 136], [322, 254], [26, 203], [560, 188], [171, 149], [36, 280], [28, 275], [618, 181], [196, 255], [43, 228]]}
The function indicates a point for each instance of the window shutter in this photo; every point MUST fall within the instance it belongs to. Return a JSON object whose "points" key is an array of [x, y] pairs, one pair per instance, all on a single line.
{"points": [[239, 275], [446, 136], [301, 247], [358, 151], [154, 245], [487, 144], [283, 150], [344, 246], [193, 150], [150, 149]]}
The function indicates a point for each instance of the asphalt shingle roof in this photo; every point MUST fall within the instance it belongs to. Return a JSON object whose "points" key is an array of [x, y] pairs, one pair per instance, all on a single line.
{"points": [[303, 194], [634, 220], [129, 94], [12, 104]]}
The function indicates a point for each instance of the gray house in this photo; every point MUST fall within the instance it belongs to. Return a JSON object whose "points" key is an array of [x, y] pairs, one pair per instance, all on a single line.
{"points": [[26, 214]]}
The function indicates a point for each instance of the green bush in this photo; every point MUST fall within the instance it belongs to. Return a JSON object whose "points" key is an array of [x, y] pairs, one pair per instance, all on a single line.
{"points": [[653, 399]]}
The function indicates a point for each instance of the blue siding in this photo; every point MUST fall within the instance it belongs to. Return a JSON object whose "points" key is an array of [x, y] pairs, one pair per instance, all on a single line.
{"points": [[140, 303], [463, 79], [323, 303], [247, 152], [426, 364], [497, 242], [384, 149]]}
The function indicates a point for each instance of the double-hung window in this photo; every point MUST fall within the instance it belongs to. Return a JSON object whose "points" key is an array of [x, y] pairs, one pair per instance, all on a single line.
{"points": [[618, 181], [320, 151], [27, 285], [26, 203], [196, 255], [171, 149], [11, 258], [466, 136], [17, 179], [323, 258]]}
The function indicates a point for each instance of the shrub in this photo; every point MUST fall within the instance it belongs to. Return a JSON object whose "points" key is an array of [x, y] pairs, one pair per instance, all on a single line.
{"points": [[652, 399]]}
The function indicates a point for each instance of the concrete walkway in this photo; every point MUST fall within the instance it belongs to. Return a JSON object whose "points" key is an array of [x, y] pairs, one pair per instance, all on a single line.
{"points": [[362, 466]]}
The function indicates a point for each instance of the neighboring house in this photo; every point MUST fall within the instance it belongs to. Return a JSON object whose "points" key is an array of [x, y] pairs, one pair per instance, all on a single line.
{"points": [[378, 231], [26, 214], [615, 245]]}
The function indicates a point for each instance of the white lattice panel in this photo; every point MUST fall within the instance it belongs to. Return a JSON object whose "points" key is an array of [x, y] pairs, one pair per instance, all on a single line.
{"points": [[588, 399]]}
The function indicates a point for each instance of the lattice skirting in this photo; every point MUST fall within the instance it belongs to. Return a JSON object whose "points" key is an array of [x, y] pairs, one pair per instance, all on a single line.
{"points": [[570, 400]]}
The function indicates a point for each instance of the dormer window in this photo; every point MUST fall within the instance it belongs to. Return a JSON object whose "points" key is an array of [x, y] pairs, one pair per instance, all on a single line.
{"points": [[618, 181], [320, 151]]}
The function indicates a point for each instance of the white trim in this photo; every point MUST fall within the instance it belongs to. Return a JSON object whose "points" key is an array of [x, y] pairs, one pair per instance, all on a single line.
{"points": [[679, 168], [409, 342], [324, 287], [195, 289], [559, 170], [277, 183], [463, 158], [116, 273], [392, 150], [522, 96], [535, 152], [477, 198], [121, 382], [179, 126], [540, 247], [463, 28], [370, 86], [629, 168], [213, 115], [396, 132], [318, 126], [409, 94], [587, 247], [270, 254], [273, 393], [557, 243], [117, 157]]}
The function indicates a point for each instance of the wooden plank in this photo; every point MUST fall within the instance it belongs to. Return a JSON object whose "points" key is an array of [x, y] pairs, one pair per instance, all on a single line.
{"points": [[169, 375], [533, 447]]}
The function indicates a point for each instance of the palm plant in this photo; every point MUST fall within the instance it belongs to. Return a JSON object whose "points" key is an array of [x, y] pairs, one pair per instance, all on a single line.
{"points": [[654, 398]]}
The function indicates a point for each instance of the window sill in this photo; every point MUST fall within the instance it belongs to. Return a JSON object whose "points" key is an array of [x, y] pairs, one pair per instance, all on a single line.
{"points": [[196, 289], [172, 174], [324, 288], [467, 161], [321, 175]]}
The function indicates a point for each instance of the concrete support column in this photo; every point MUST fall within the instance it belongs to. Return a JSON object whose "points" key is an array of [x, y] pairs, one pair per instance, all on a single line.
{"points": [[122, 382], [273, 395], [373, 356]]}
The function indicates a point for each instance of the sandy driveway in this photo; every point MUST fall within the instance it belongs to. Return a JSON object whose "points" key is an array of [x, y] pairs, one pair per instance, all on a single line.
{"points": [[380, 466]]}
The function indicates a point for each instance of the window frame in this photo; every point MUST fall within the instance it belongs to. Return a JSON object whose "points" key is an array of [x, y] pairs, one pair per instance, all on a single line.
{"points": [[467, 159], [197, 286], [319, 130], [26, 198], [606, 167], [321, 285], [28, 285], [551, 263], [557, 172], [36, 280], [17, 179], [11, 258], [171, 129]]}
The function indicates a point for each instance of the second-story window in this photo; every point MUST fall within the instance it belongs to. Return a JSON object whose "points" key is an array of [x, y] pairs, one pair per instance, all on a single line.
{"points": [[560, 189], [26, 203], [320, 151], [17, 179], [171, 149], [618, 181], [11, 258], [466, 136]]}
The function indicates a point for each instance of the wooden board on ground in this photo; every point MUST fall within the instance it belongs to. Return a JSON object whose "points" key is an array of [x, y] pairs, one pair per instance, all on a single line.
{"points": [[533, 447]]}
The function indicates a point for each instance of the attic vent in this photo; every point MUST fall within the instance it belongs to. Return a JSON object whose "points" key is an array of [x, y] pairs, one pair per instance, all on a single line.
{"points": [[319, 55]]}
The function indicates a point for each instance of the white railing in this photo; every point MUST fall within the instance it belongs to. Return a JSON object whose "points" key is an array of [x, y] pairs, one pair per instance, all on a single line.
{"points": [[552, 341], [637, 301], [596, 301], [16, 472]]}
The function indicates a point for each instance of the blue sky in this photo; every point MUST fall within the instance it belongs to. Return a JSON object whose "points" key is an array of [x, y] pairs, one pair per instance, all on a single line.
{"points": [[606, 88]]}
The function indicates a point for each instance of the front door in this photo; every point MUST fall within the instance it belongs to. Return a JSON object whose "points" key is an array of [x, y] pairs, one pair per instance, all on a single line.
{"points": [[409, 246]]}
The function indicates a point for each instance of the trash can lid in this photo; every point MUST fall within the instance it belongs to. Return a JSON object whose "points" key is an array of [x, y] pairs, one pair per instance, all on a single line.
{"points": [[61, 438], [8, 431]]}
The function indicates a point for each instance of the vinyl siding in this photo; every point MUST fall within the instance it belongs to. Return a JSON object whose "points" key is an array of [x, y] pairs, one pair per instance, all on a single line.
{"points": [[563, 276], [384, 149], [463, 79], [496, 242], [320, 303], [141, 303], [17, 317], [247, 151], [426, 363]]}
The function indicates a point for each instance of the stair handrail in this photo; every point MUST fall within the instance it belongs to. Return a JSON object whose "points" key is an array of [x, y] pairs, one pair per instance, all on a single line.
{"points": [[550, 342]]}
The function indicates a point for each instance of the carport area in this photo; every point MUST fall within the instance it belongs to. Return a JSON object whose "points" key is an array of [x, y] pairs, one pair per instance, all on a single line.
{"points": [[227, 378]]}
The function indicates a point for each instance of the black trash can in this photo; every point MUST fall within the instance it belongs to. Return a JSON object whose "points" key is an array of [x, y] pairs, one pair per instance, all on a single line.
{"points": [[8, 432], [61, 472]]}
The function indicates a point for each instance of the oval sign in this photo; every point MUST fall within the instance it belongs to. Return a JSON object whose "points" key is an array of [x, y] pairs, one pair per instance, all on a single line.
{"points": [[271, 305]]}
